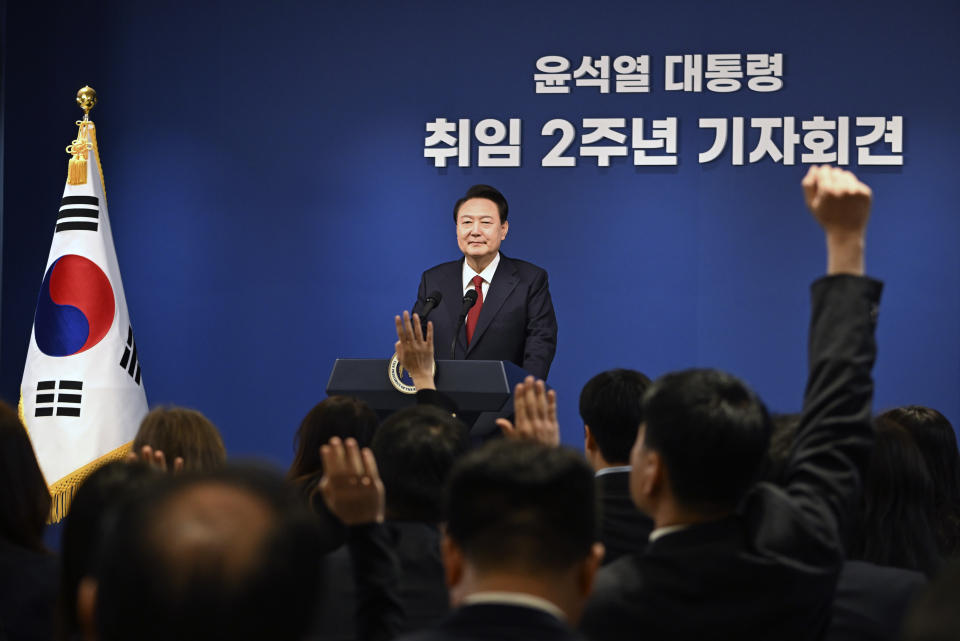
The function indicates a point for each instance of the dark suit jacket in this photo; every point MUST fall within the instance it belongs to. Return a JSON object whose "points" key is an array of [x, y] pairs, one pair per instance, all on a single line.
{"points": [[770, 570], [623, 528], [872, 601], [420, 585], [496, 622], [28, 593], [517, 322]]}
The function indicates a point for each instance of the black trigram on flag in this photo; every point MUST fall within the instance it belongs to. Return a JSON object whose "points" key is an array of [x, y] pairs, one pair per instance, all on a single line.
{"points": [[78, 212], [62, 401], [129, 361]]}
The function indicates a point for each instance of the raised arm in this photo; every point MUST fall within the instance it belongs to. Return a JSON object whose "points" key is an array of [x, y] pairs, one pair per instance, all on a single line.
{"points": [[834, 438]]}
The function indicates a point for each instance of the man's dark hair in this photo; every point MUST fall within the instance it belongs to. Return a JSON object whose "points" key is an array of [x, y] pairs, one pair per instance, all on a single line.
{"points": [[522, 505], [95, 505], [25, 500], [415, 450], [179, 568], [712, 432], [611, 403], [488, 192]]}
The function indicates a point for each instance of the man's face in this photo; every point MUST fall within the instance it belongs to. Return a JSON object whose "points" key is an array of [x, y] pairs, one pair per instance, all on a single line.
{"points": [[479, 230]]}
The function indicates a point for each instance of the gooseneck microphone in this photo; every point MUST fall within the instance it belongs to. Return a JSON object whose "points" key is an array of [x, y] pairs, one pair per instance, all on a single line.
{"points": [[429, 304], [469, 300]]}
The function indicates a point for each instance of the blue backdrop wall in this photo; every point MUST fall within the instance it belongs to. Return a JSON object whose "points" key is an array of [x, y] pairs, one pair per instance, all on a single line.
{"points": [[273, 209]]}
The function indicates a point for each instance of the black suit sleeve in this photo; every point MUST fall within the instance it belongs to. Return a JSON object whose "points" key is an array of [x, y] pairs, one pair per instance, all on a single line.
{"points": [[376, 573], [541, 331]]}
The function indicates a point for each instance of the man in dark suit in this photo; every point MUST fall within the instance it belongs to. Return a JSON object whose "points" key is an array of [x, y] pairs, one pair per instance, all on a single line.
{"points": [[513, 318], [611, 409], [730, 558], [519, 550]]}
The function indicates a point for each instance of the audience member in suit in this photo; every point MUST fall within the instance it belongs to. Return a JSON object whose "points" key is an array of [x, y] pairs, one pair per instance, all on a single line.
{"points": [[520, 548], [934, 435], [611, 408], [234, 554], [28, 572], [871, 600], [415, 450], [894, 525], [178, 438], [731, 558], [95, 504], [935, 616], [515, 320]]}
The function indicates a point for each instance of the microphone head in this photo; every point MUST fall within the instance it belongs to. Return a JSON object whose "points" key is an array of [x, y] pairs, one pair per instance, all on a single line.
{"points": [[471, 296], [435, 297]]}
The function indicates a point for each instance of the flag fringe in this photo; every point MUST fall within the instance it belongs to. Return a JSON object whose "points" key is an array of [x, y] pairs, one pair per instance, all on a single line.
{"points": [[63, 491]]}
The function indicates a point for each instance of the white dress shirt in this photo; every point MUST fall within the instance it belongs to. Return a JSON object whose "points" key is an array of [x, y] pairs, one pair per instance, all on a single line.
{"points": [[486, 275], [516, 598]]}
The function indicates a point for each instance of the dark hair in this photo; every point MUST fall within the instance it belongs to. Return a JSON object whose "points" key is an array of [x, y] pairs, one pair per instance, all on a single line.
{"points": [[487, 192], [342, 416], [522, 505], [183, 432], [894, 524], [415, 449], [937, 441], [25, 499], [934, 615], [611, 404], [712, 432], [252, 580], [95, 503]]}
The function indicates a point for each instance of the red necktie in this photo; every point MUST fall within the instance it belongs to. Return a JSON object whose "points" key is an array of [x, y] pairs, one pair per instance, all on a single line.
{"points": [[474, 313]]}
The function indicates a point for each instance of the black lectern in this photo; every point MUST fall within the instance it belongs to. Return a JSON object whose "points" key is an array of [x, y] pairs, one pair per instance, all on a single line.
{"points": [[482, 390]]}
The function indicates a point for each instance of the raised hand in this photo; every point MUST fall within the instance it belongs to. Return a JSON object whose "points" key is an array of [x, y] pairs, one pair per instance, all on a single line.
{"points": [[535, 413], [351, 485], [415, 351], [841, 204], [156, 459]]}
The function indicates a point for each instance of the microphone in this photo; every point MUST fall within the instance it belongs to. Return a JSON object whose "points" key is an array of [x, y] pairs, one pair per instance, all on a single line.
{"points": [[433, 299], [469, 300]]}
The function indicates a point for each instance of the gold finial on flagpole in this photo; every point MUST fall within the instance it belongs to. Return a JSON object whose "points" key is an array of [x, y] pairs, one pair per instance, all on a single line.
{"points": [[87, 99], [79, 148]]}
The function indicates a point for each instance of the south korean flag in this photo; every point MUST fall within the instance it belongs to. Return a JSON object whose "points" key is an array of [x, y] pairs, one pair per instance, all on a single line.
{"points": [[82, 394]]}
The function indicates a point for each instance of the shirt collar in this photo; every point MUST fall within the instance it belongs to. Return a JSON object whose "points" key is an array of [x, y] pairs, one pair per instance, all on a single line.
{"points": [[516, 598], [664, 531], [613, 470], [486, 274]]}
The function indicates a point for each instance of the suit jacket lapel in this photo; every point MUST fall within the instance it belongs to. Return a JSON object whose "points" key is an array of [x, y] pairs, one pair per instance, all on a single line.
{"points": [[453, 292], [503, 283]]}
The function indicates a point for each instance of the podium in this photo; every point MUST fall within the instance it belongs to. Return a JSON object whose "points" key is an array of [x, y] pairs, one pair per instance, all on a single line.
{"points": [[482, 390]]}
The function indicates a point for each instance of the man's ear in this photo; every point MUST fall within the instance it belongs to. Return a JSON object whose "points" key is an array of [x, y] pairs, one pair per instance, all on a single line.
{"points": [[87, 608], [589, 443], [506, 228], [654, 473], [589, 567], [452, 561]]}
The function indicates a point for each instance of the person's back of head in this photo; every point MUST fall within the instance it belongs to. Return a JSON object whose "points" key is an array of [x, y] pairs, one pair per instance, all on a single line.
{"points": [[230, 554], [934, 435], [611, 406], [522, 516], [341, 416], [25, 499], [92, 508], [183, 433], [708, 434], [415, 449], [895, 521]]}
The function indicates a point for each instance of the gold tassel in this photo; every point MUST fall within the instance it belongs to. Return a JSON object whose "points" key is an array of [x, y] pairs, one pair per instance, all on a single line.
{"points": [[63, 491], [78, 149]]}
